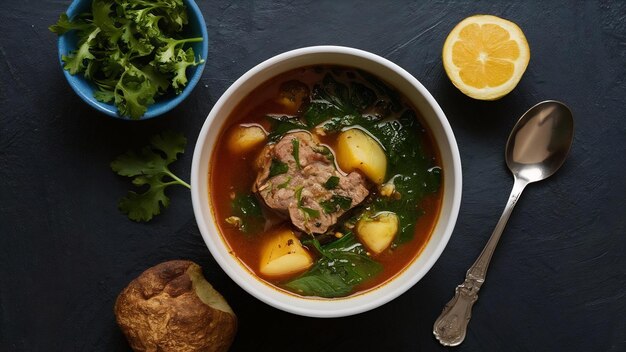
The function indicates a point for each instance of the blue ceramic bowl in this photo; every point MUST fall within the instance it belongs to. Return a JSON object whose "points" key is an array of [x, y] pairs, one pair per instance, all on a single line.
{"points": [[85, 89]]}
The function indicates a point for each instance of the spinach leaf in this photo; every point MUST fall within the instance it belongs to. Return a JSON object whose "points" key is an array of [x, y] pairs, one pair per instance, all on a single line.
{"points": [[343, 265], [335, 93], [361, 96], [320, 111], [281, 124], [338, 103], [383, 90], [277, 167], [246, 207], [332, 182]]}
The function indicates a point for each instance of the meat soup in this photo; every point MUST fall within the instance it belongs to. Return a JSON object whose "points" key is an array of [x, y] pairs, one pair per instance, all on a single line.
{"points": [[325, 182]]}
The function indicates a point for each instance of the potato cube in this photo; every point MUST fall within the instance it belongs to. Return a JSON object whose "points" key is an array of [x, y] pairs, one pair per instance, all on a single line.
{"points": [[377, 233], [245, 138], [356, 150], [283, 255]]}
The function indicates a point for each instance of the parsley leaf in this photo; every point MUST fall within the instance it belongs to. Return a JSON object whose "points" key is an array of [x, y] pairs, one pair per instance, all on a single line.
{"points": [[310, 213], [64, 25], [132, 50], [332, 182], [76, 63], [295, 143], [277, 167], [335, 203], [148, 167]]}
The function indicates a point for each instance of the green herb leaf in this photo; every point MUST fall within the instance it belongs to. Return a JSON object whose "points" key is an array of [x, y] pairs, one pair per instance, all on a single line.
{"points": [[64, 25], [310, 213], [332, 182], [343, 265], [134, 92], [325, 151], [277, 167], [132, 50], [335, 203], [295, 143], [298, 195], [285, 184], [75, 62], [281, 124], [104, 95], [149, 167], [247, 208]]}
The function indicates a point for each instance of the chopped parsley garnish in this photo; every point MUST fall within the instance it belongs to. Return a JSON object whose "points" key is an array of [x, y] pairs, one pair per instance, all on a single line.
{"points": [[336, 203], [308, 212], [311, 213], [332, 182], [295, 143], [278, 168], [285, 184]]}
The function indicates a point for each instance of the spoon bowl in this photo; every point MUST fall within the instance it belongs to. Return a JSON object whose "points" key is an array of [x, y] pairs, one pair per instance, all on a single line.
{"points": [[540, 141], [537, 147]]}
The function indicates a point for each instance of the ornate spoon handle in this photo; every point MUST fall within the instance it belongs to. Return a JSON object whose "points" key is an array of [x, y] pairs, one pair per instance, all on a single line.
{"points": [[451, 326]]}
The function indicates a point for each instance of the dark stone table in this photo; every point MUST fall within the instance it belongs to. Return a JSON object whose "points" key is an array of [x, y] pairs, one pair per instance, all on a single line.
{"points": [[557, 281]]}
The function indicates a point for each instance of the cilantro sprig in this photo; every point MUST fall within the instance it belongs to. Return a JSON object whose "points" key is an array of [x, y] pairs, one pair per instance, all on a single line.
{"points": [[149, 167], [132, 50]]}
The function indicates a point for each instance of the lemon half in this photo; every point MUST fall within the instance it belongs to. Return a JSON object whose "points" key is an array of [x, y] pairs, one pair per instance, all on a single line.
{"points": [[485, 56]]}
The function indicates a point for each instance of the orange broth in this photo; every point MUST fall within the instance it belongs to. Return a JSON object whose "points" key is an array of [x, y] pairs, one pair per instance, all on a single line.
{"points": [[230, 173]]}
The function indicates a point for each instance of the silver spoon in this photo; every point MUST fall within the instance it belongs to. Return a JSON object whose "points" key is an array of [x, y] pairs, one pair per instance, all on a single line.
{"points": [[537, 147]]}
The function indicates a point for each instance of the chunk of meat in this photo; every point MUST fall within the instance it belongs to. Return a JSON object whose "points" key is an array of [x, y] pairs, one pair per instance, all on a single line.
{"points": [[298, 178]]}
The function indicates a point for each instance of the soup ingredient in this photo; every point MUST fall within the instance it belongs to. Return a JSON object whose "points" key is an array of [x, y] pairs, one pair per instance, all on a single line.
{"points": [[283, 254], [293, 175], [247, 213], [377, 232], [132, 50], [485, 56], [171, 307], [300, 185], [356, 150], [149, 169], [292, 93], [378, 109], [245, 138], [344, 264]]}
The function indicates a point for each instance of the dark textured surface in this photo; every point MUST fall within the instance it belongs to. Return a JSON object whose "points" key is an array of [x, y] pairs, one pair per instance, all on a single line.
{"points": [[558, 278]]}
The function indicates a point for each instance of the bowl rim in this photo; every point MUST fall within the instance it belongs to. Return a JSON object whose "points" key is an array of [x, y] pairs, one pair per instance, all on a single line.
{"points": [[289, 302], [111, 110]]}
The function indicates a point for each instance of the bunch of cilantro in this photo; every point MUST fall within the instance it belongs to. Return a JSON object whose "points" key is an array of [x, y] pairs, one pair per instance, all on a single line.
{"points": [[131, 49]]}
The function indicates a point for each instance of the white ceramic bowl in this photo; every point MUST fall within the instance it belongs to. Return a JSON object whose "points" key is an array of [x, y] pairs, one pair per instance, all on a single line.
{"points": [[414, 91]]}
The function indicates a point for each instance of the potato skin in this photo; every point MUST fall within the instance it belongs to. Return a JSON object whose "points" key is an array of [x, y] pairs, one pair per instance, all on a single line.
{"points": [[160, 311]]}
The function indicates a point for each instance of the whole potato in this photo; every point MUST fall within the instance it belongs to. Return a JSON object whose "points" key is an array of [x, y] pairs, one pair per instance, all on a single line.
{"points": [[171, 307]]}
